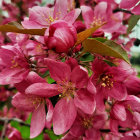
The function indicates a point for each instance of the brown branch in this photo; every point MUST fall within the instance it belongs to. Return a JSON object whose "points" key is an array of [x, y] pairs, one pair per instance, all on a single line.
{"points": [[4, 130], [122, 10], [14, 119]]}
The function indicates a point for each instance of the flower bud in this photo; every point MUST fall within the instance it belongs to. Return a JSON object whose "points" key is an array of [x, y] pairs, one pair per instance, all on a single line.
{"points": [[60, 36]]}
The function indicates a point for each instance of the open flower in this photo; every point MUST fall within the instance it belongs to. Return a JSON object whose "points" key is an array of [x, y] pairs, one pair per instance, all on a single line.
{"points": [[110, 81], [72, 86], [34, 104], [15, 65], [88, 125], [42, 17], [103, 14]]}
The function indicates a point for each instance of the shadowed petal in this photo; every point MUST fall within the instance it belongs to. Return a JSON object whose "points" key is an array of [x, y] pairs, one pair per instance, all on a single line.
{"points": [[23, 102], [59, 71], [49, 113]]}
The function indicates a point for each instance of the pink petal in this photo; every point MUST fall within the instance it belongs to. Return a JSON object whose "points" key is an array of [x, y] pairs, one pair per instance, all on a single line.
{"points": [[102, 10], [49, 113], [72, 16], [64, 115], [85, 101], [88, 15], [30, 79], [90, 87], [99, 120], [60, 9], [59, 71], [23, 102], [93, 134], [11, 76], [119, 112], [38, 121], [129, 138], [129, 122], [133, 102], [137, 118], [136, 10], [31, 24], [114, 126], [77, 129], [42, 89], [128, 3], [7, 57], [40, 15], [99, 98], [118, 91], [79, 76]]}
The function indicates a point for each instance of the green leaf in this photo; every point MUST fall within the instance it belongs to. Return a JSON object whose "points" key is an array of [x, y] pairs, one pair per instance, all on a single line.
{"points": [[108, 48], [132, 22], [50, 80], [28, 121], [25, 132], [110, 63], [16, 28], [52, 135], [101, 39], [40, 137], [87, 57]]}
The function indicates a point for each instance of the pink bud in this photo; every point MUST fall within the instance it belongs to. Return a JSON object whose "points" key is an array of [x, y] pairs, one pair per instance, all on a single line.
{"points": [[60, 36]]}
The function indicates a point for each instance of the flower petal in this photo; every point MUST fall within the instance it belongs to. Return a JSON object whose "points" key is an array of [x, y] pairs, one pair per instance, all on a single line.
{"points": [[79, 76], [42, 89], [64, 115], [119, 112], [88, 15], [85, 101], [23, 102], [38, 121], [60, 9], [128, 3], [49, 113], [59, 71], [118, 91], [30, 79], [72, 16]]}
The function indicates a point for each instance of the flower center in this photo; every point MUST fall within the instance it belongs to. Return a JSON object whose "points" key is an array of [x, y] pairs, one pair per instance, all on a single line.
{"points": [[107, 80], [87, 123], [15, 64], [97, 21], [36, 101], [66, 89]]}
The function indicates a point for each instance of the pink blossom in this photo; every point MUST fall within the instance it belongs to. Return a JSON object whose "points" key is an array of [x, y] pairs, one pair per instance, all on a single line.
{"points": [[125, 114], [109, 81], [103, 14], [15, 65], [60, 36], [42, 17], [34, 104], [88, 125], [72, 86]]}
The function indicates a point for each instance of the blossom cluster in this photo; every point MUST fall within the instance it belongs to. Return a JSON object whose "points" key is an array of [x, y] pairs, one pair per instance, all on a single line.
{"points": [[79, 95]]}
